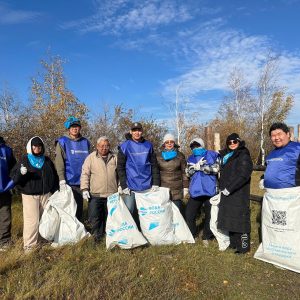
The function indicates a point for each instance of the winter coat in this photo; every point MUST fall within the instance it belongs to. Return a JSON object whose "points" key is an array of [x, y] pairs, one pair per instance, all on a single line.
{"points": [[35, 181], [99, 177], [172, 174], [235, 176], [140, 170]]}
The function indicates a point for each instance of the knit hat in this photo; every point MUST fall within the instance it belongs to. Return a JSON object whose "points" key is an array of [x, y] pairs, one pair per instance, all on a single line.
{"points": [[233, 137], [198, 141], [168, 137]]}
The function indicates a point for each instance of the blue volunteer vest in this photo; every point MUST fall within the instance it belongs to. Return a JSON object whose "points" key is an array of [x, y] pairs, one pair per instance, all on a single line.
{"points": [[281, 167], [76, 153], [138, 166], [202, 184], [5, 182]]}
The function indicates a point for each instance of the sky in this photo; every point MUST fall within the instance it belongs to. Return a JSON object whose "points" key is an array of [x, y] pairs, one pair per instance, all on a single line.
{"points": [[138, 53]]}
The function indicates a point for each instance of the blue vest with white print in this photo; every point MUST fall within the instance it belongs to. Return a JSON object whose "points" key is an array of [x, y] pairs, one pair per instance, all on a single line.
{"points": [[282, 166], [5, 155], [76, 153], [202, 184], [138, 165]]}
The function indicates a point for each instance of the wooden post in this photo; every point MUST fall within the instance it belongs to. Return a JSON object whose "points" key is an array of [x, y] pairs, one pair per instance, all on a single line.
{"points": [[217, 142], [291, 128], [209, 138]]}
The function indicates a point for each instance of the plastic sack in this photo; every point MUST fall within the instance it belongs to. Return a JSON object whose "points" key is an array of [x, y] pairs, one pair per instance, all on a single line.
{"points": [[121, 229], [181, 230], [221, 236], [66, 228], [281, 228], [156, 216]]}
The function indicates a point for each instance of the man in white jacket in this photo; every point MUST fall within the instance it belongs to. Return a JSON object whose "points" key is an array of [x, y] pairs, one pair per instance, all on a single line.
{"points": [[98, 181]]}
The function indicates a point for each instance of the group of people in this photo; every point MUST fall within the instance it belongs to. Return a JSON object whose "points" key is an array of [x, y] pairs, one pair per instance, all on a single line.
{"points": [[94, 176]]}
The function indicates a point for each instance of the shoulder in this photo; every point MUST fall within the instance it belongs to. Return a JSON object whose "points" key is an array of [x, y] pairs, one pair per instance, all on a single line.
{"points": [[180, 155]]}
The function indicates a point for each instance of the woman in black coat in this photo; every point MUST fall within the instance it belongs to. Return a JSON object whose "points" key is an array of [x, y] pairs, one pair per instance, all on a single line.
{"points": [[234, 207]]}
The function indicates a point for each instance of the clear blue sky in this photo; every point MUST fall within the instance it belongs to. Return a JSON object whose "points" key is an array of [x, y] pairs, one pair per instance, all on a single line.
{"points": [[137, 52]]}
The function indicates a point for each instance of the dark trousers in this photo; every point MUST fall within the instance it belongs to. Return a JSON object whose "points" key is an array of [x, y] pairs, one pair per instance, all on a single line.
{"points": [[179, 204], [240, 241], [97, 216], [5, 218], [79, 201], [191, 212]]}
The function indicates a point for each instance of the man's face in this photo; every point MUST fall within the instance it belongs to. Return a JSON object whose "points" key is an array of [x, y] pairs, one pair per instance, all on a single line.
{"points": [[103, 148], [136, 134], [279, 138], [74, 130]]}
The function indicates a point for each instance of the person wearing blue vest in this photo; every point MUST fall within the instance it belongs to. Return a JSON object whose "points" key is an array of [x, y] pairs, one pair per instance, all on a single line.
{"points": [[137, 166], [71, 151], [202, 168], [283, 163], [7, 161]]}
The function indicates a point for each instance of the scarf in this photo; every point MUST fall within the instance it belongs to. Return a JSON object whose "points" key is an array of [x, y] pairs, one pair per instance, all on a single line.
{"points": [[36, 161]]}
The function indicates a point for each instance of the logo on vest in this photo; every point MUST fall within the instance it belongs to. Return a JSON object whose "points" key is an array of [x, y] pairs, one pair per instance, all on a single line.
{"points": [[78, 151]]}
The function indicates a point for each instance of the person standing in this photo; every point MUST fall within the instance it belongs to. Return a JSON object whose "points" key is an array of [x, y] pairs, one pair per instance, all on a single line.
{"points": [[7, 162], [137, 166], [234, 207], [37, 179], [70, 152], [98, 181], [202, 168], [172, 164]]}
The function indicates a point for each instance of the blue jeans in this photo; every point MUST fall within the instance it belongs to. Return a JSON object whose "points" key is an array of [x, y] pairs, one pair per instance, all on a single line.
{"points": [[129, 201]]}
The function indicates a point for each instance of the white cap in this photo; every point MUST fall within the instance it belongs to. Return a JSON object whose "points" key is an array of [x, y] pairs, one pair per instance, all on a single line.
{"points": [[169, 137], [199, 141]]}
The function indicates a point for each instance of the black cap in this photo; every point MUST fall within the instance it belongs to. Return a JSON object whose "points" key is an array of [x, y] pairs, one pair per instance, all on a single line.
{"points": [[233, 137], [36, 141], [136, 125]]}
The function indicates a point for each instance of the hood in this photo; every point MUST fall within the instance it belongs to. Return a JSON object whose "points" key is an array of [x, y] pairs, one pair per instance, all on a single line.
{"points": [[28, 146]]}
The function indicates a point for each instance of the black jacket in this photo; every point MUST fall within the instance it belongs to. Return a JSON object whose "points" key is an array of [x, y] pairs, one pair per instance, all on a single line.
{"points": [[121, 166], [235, 176], [35, 181]]}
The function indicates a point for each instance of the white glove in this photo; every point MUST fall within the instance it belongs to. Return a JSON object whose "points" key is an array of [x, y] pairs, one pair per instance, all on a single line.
{"points": [[154, 188], [190, 170], [126, 191], [86, 195], [23, 170], [225, 192], [185, 192], [199, 165], [62, 185], [261, 184]]}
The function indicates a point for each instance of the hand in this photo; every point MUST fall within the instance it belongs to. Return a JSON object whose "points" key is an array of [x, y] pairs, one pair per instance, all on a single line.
{"points": [[62, 186], [154, 188], [225, 192], [185, 192], [126, 191], [86, 195], [261, 184], [199, 165], [23, 170], [190, 170]]}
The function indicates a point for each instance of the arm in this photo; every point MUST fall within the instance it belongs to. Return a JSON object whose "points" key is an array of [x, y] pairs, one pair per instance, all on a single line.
{"points": [[155, 169], [60, 157], [185, 179], [86, 175], [121, 168], [214, 168]]}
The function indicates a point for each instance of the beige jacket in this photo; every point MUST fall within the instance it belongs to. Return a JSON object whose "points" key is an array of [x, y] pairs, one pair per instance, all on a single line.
{"points": [[98, 178]]}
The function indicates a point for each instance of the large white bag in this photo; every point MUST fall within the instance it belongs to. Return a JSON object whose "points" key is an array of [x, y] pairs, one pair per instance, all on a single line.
{"points": [[281, 228], [156, 216], [221, 236], [121, 229], [182, 231], [61, 227]]}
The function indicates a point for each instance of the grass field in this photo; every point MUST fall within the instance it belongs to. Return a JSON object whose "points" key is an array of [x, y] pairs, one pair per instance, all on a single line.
{"points": [[88, 271]]}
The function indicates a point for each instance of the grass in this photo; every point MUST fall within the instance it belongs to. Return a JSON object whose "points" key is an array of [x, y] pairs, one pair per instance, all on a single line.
{"points": [[88, 271]]}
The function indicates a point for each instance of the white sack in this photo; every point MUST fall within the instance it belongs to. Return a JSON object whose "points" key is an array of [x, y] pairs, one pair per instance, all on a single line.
{"points": [[221, 236], [281, 228], [182, 231], [121, 229], [68, 229], [156, 216]]}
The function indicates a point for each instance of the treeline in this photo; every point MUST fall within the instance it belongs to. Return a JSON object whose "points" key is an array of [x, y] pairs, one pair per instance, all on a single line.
{"points": [[248, 110]]}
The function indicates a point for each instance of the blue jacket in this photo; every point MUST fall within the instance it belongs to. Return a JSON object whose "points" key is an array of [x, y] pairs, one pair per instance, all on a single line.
{"points": [[7, 161], [202, 184], [283, 167], [76, 153]]}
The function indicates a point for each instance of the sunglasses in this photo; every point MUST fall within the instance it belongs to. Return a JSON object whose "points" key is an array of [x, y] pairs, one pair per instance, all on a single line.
{"points": [[233, 142], [169, 142]]}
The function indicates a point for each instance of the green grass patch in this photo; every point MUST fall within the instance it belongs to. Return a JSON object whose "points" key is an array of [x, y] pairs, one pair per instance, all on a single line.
{"points": [[88, 271]]}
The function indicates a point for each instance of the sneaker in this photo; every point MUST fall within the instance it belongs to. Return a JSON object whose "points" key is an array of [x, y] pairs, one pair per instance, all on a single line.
{"points": [[205, 243]]}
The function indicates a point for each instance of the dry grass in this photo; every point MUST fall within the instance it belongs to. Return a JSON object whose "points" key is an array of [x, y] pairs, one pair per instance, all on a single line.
{"points": [[88, 271]]}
